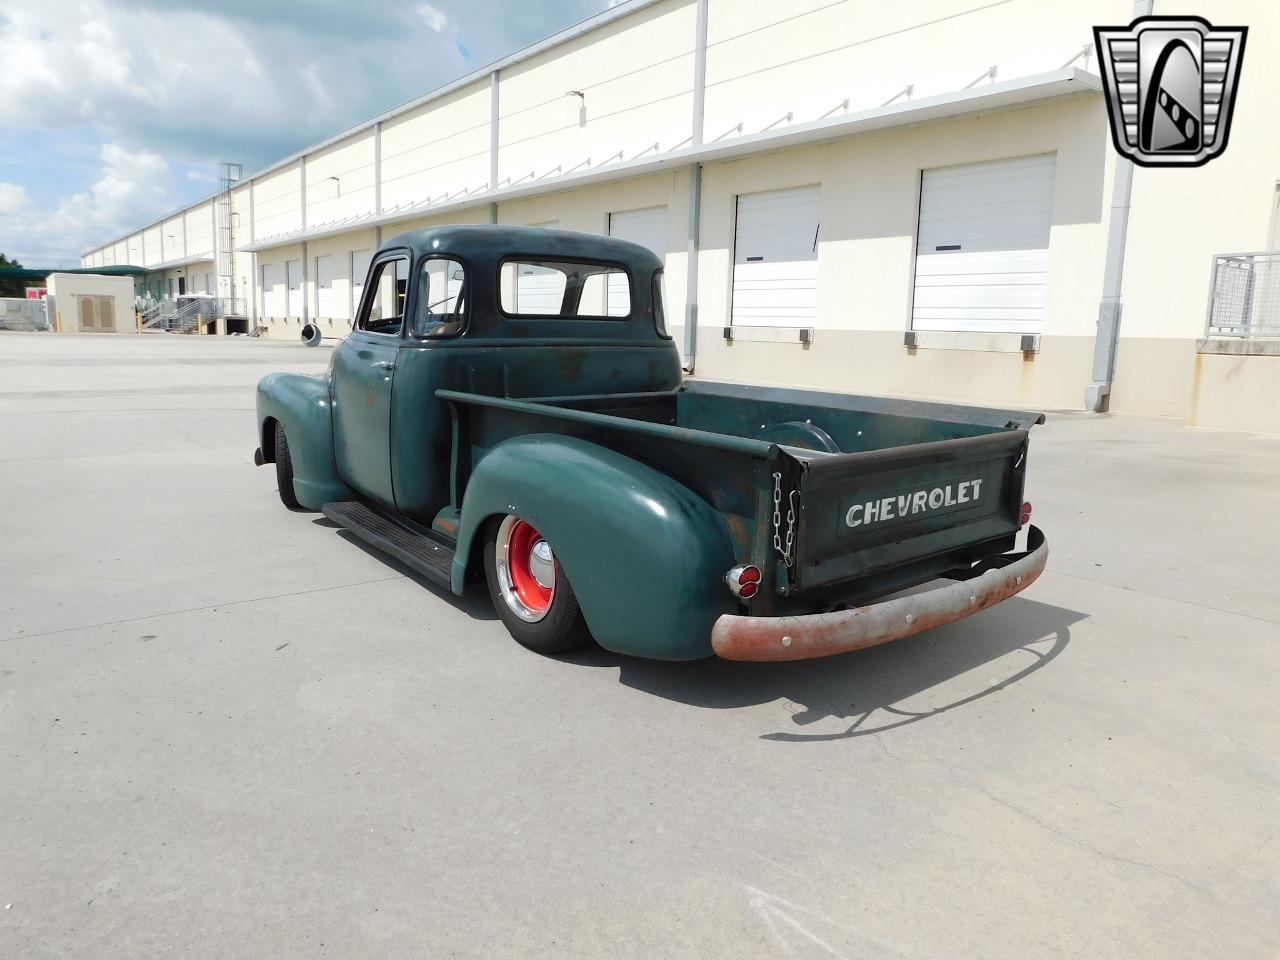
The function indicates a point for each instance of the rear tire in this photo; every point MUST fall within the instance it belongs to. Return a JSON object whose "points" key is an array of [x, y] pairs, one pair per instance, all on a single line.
{"points": [[284, 470], [529, 590]]}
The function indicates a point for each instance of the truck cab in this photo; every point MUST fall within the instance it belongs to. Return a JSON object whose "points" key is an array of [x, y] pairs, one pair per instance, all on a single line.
{"points": [[509, 404]]}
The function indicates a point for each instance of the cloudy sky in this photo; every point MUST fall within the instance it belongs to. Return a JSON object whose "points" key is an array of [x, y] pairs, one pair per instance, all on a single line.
{"points": [[113, 112]]}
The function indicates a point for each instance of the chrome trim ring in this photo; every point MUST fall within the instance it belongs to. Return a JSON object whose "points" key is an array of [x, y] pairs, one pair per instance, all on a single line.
{"points": [[536, 561]]}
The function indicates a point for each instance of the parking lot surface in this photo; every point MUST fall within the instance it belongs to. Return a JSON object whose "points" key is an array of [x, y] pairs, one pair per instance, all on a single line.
{"points": [[228, 730]]}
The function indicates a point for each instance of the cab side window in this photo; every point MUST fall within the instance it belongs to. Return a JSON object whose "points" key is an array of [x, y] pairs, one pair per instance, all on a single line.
{"points": [[383, 312], [442, 298]]}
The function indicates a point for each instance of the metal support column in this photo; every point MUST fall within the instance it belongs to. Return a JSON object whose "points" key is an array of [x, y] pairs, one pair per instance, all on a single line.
{"points": [[256, 279], [695, 191], [377, 169], [493, 130]]}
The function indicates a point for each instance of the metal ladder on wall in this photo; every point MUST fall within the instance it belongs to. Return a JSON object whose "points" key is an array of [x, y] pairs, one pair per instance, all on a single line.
{"points": [[229, 174]]}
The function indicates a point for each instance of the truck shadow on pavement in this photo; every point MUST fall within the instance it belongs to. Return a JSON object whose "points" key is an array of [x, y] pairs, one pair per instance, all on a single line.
{"points": [[871, 691]]}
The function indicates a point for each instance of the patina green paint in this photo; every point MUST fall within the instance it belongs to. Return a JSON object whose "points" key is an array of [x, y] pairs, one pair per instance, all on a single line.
{"points": [[302, 404], [648, 488], [644, 554]]}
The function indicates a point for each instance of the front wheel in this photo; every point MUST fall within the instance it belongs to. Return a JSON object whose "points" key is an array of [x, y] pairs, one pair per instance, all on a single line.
{"points": [[530, 592], [284, 470]]}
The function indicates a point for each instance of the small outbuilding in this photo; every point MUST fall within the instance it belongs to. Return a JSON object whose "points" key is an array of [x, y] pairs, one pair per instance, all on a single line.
{"points": [[91, 303]]}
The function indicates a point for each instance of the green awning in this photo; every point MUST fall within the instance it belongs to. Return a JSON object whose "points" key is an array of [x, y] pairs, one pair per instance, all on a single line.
{"points": [[29, 273]]}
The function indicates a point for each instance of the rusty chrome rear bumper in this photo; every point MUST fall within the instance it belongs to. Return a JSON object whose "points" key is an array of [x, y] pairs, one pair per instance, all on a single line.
{"points": [[823, 634]]}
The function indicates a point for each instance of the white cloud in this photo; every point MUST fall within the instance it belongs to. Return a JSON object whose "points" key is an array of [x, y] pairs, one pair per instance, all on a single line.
{"points": [[195, 80], [13, 199], [171, 83], [132, 188], [436, 20]]}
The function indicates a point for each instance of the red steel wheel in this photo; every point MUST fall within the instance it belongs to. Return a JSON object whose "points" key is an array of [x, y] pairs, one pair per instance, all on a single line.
{"points": [[530, 591], [526, 570]]}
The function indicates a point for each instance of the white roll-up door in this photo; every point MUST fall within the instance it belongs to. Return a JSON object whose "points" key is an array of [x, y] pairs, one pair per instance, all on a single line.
{"points": [[360, 260], [775, 258], [293, 273], [646, 227], [324, 287], [531, 289], [982, 253], [537, 290], [271, 301]]}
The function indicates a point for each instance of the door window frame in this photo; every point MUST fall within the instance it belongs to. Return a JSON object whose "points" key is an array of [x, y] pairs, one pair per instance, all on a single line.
{"points": [[464, 298], [371, 290]]}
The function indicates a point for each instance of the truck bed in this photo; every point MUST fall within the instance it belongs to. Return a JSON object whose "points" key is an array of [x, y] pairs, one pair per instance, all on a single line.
{"points": [[824, 422], [837, 496]]}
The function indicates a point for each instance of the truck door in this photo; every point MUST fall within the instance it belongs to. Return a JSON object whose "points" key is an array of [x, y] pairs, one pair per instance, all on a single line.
{"points": [[363, 377]]}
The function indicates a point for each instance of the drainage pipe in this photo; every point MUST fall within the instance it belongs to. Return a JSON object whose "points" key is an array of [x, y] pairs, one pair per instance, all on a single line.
{"points": [[1097, 397]]}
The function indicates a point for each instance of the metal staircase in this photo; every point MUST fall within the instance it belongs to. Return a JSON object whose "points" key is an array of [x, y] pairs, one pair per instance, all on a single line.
{"points": [[186, 316]]}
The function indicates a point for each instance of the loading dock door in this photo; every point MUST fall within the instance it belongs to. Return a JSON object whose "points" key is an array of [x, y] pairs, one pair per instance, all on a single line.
{"points": [[645, 227], [270, 295], [293, 272], [324, 287], [775, 258], [360, 260], [982, 252]]}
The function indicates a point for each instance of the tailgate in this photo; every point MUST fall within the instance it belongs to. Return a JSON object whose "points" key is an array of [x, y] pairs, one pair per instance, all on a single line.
{"points": [[863, 513]]}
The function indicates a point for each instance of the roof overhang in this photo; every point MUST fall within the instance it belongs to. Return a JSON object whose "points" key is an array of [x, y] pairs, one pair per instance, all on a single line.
{"points": [[179, 262], [1007, 94]]}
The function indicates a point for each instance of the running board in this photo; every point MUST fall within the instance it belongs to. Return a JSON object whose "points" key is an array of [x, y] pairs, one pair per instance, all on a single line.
{"points": [[423, 552]]}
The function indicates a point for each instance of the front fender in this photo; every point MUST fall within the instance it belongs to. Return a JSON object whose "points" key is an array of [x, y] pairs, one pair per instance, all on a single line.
{"points": [[645, 555], [302, 404]]}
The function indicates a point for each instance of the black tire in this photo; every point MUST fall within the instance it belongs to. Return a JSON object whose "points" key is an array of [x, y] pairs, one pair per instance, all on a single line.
{"points": [[561, 629], [284, 470]]}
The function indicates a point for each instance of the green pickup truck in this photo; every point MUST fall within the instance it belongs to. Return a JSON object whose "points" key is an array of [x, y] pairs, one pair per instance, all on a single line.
{"points": [[510, 407]]}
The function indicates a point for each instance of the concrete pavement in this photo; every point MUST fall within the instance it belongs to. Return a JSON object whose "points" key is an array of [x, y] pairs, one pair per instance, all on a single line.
{"points": [[227, 730]]}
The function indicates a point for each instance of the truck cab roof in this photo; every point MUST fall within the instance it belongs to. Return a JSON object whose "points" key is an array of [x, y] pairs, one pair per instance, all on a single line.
{"points": [[508, 268], [496, 242]]}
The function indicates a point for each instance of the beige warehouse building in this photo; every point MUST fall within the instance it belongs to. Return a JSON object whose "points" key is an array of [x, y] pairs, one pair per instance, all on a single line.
{"points": [[916, 199]]}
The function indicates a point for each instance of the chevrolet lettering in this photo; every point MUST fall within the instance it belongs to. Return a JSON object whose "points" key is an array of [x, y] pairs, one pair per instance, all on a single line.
{"points": [[910, 504], [509, 408]]}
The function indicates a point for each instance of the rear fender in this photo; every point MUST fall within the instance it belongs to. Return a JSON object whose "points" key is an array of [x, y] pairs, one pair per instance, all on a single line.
{"points": [[302, 404], [646, 556]]}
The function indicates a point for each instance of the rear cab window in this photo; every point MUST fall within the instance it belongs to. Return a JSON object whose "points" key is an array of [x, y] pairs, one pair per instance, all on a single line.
{"points": [[530, 288]]}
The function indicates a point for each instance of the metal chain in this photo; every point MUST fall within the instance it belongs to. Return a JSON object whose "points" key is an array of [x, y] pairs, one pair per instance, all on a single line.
{"points": [[783, 548]]}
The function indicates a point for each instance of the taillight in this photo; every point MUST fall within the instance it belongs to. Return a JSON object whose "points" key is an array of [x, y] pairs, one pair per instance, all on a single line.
{"points": [[1026, 513], [744, 581]]}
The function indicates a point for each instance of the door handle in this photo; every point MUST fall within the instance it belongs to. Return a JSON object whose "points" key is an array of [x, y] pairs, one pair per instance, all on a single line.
{"points": [[384, 364]]}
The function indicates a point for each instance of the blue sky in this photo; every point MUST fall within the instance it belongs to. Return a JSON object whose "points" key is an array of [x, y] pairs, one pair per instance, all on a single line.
{"points": [[114, 113]]}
